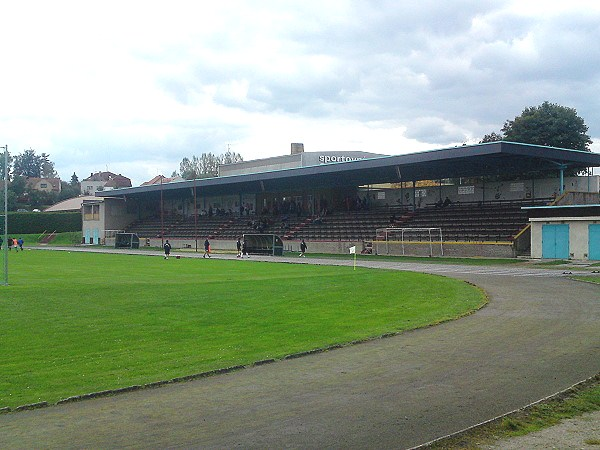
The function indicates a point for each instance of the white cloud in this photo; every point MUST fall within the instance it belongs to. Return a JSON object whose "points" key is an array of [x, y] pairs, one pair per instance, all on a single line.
{"points": [[137, 86]]}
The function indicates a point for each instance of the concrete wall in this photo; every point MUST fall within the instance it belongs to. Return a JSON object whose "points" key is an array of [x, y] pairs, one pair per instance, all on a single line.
{"points": [[578, 198], [342, 248], [478, 191]]}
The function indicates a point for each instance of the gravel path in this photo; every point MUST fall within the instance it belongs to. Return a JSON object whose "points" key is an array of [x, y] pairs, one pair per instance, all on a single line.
{"points": [[578, 433], [538, 335]]}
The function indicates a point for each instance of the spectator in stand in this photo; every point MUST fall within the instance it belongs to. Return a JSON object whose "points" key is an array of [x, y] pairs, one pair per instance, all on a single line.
{"points": [[447, 202]]}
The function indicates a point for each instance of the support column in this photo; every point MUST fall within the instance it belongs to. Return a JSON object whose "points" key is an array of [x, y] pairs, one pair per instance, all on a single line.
{"points": [[561, 189]]}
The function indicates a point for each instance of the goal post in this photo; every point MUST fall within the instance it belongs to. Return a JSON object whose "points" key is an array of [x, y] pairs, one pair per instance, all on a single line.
{"points": [[394, 241]]}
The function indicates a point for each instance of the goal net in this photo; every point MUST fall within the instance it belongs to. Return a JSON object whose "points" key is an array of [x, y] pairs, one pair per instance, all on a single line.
{"points": [[415, 241]]}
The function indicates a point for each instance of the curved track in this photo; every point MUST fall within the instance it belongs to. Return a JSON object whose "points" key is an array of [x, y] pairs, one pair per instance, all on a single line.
{"points": [[539, 334]]}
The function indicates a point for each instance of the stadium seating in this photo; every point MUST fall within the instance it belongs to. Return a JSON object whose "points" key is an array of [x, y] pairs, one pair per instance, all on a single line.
{"points": [[494, 221]]}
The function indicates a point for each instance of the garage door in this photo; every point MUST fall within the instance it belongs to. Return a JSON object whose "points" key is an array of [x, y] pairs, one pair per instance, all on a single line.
{"points": [[594, 238], [555, 241]]}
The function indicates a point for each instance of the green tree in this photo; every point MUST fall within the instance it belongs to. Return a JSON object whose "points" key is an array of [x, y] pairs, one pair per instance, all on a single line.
{"points": [[47, 167], [74, 180], [18, 185], [207, 165], [492, 137], [68, 190], [548, 124], [28, 164]]}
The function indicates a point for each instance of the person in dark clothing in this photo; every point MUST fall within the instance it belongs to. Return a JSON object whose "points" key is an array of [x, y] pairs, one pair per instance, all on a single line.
{"points": [[206, 248], [303, 248], [167, 249], [245, 249], [239, 248]]}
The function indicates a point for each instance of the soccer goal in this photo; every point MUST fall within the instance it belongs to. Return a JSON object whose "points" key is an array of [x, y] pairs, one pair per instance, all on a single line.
{"points": [[396, 241], [127, 240]]}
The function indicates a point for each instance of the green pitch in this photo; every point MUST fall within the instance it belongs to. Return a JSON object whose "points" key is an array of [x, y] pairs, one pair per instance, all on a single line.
{"points": [[75, 323]]}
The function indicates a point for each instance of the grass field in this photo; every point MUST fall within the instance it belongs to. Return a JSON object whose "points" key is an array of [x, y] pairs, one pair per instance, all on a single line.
{"points": [[590, 279], [74, 323]]}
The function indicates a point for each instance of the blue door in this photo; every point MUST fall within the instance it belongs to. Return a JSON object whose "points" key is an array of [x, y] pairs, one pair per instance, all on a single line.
{"points": [[87, 236], [594, 239], [555, 241], [96, 241]]}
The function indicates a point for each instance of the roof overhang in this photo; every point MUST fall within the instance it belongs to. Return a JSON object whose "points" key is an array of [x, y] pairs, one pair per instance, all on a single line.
{"points": [[497, 158]]}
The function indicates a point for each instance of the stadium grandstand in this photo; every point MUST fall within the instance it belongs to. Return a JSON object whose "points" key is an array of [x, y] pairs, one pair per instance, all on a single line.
{"points": [[334, 200]]}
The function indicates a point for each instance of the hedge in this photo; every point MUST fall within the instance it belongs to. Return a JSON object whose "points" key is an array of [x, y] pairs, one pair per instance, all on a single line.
{"points": [[38, 222]]}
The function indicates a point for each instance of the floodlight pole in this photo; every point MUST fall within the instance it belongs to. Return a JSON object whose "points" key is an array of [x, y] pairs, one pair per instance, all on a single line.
{"points": [[195, 214], [5, 215], [162, 219]]}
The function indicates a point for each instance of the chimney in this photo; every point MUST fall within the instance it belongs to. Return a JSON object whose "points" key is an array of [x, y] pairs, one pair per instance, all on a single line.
{"points": [[297, 148]]}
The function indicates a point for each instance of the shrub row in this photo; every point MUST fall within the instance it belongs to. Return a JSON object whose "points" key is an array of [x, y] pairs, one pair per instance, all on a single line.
{"points": [[31, 223]]}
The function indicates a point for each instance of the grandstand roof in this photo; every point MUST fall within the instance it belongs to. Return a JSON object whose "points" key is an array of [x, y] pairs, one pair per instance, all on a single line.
{"points": [[496, 158]]}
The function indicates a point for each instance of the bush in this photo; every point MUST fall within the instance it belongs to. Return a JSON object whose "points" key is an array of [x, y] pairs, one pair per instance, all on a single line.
{"points": [[30, 223]]}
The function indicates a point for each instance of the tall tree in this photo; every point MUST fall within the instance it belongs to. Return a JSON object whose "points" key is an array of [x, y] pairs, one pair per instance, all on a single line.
{"points": [[549, 124], [207, 165], [28, 164], [47, 168], [230, 157], [74, 180], [492, 137]]}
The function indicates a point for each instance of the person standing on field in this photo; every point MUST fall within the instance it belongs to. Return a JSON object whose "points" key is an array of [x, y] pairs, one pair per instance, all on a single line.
{"points": [[20, 242], [167, 249], [206, 248], [239, 248], [245, 249], [303, 248]]}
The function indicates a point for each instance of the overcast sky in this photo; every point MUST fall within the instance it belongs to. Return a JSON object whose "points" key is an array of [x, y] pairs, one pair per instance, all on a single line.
{"points": [[136, 86]]}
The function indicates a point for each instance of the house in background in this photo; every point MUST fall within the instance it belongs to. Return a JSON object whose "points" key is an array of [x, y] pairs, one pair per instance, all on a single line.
{"points": [[103, 181], [158, 179], [44, 184]]}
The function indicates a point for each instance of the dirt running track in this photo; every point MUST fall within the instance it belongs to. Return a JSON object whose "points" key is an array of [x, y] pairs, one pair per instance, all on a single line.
{"points": [[538, 335]]}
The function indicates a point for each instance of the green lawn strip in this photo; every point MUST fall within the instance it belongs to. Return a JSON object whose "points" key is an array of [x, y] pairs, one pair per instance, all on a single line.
{"points": [[75, 323], [590, 279], [61, 239], [553, 262], [579, 401], [418, 259]]}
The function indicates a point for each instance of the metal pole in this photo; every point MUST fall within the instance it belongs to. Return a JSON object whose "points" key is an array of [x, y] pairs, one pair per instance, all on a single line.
{"points": [[562, 180], [5, 215], [195, 214], [162, 220]]}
